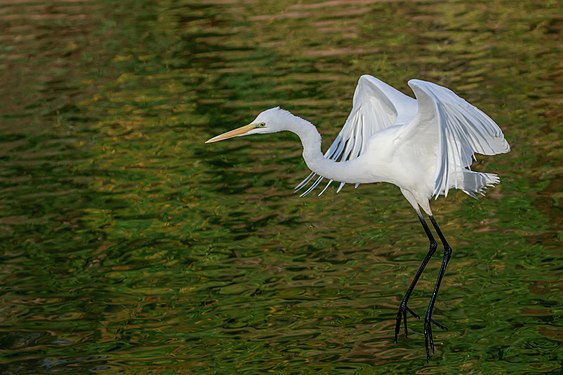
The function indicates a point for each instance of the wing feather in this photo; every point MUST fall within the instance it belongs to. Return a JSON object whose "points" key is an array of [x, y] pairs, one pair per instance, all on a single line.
{"points": [[376, 106], [462, 130]]}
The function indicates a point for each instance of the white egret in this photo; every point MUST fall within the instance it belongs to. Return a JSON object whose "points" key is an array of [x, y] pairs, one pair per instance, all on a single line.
{"points": [[423, 146]]}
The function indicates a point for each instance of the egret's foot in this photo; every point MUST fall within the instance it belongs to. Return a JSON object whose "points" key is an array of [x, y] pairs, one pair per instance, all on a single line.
{"points": [[402, 314], [439, 325], [428, 339]]}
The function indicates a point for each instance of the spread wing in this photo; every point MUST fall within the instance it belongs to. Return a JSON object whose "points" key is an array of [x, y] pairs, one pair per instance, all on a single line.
{"points": [[376, 106], [460, 130]]}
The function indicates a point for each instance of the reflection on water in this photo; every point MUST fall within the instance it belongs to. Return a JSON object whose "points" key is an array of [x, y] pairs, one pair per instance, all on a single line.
{"points": [[128, 244]]}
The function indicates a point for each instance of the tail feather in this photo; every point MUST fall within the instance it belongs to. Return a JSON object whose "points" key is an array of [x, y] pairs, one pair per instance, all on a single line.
{"points": [[477, 182]]}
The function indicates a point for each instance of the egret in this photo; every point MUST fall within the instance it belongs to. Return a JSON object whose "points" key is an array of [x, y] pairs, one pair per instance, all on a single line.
{"points": [[425, 146]]}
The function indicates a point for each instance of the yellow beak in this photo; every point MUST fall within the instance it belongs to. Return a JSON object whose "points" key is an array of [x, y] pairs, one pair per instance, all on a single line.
{"points": [[233, 133]]}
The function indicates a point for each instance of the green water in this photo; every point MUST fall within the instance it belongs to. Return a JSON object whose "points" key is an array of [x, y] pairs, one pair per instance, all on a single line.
{"points": [[130, 246]]}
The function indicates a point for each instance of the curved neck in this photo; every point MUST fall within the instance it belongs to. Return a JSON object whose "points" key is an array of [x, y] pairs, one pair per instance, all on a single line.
{"points": [[314, 158]]}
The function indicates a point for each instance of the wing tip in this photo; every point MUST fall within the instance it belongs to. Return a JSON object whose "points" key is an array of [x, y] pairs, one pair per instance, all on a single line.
{"points": [[416, 82]]}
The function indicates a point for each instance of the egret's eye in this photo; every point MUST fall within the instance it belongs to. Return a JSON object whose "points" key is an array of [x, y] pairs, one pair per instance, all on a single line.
{"points": [[261, 125]]}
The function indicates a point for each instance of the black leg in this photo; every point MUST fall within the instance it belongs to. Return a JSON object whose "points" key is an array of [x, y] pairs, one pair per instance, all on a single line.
{"points": [[442, 238], [403, 308], [428, 339]]}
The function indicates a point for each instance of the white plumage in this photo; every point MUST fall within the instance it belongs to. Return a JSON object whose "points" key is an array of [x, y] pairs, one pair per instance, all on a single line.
{"points": [[439, 125]]}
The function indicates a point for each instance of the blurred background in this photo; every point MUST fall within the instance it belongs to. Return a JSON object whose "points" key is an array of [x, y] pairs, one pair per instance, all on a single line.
{"points": [[129, 246]]}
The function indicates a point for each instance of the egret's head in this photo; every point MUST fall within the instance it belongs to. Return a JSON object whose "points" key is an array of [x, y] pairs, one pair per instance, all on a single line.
{"points": [[270, 121]]}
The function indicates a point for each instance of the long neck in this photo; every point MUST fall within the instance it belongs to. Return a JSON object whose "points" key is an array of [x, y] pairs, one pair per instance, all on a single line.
{"points": [[314, 158]]}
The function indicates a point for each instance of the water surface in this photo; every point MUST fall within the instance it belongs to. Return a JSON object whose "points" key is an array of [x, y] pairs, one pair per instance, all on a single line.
{"points": [[130, 246]]}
